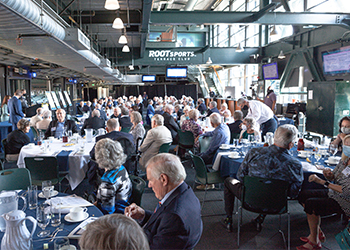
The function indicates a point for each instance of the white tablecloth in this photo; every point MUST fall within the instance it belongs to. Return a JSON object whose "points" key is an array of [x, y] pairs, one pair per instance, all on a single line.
{"points": [[77, 162]]}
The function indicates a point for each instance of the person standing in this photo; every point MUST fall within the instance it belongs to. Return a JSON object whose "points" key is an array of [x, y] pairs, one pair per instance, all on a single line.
{"points": [[270, 99], [5, 116], [24, 101], [15, 109]]}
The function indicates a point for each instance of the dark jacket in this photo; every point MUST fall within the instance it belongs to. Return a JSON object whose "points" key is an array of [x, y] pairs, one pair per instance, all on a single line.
{"points": [[170, 123], [15, 141], [93, 122], [177, 223], [214, 110], [202, 108], [53, 124], [125, 122], [80, 110], [234, 127]]}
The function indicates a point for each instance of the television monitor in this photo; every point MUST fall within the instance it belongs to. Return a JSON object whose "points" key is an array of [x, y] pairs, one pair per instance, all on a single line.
{"points": [[270, 71], [336, 62], [148, 78], [176, 72]]}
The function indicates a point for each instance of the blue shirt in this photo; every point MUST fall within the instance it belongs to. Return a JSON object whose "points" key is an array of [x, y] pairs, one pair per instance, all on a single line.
{"points": [[274, 163], [59, 130]]}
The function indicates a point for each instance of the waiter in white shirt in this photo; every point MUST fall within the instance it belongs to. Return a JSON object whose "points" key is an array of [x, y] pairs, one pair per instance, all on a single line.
{"points": [[261, 113]]}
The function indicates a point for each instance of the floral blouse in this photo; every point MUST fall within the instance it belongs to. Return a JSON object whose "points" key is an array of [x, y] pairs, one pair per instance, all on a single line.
{"points": [[195, 128]]}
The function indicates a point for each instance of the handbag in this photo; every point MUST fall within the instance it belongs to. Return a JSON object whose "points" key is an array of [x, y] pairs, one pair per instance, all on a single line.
{"points": [[343, 238]]}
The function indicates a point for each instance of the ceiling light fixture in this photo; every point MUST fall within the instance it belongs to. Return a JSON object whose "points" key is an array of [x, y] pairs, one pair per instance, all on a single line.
{"points": [[273, 31], [126, 49], [118, 23], [209, 61], [123, 40], [239, 49], [281, 55], [112, 5]]}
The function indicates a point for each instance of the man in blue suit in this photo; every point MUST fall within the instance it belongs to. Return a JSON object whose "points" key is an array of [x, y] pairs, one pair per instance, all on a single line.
{"points": [[176, 222], [15, 109]]}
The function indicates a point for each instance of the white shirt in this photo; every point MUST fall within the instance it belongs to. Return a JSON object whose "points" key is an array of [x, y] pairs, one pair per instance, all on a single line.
{"points": [[259, 111]]}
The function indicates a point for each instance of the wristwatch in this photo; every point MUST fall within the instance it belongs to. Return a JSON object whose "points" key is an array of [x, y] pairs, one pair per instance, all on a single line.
{"points": [[326, 184]]}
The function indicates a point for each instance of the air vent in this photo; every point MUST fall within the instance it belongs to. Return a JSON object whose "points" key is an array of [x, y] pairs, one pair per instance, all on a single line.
{"points": [[76, 38]]}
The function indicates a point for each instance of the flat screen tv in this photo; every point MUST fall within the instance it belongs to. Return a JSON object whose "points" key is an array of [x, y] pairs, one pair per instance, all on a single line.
{"points": [[148, 78], [176, 72], [270, 71], [336, 62]]}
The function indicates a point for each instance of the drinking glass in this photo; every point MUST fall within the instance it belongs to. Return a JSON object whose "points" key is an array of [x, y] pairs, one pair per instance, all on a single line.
{"points": [[43, 218], [47, 189], [56, 214], [61, 243], [318, 155], [32, 197], [333, 149], [70, 133], [245, 150]]}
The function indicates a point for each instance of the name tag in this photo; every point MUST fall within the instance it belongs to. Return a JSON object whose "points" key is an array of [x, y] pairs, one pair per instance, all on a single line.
{"points": [[346, 171]]}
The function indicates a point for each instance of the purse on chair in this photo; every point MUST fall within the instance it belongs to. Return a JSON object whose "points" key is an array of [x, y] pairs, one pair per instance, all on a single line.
{"points": [[343, 238]]}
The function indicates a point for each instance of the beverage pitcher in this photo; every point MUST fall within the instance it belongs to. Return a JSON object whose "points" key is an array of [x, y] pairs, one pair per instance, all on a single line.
{"points": [[89, 134], [9, 202], [17, 235], [101, 131]]}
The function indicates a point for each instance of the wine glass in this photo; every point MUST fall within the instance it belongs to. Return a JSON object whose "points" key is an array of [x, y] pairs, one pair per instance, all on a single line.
{"points": [[318, 155], [47, 189], [43, 219], [333, 149]]}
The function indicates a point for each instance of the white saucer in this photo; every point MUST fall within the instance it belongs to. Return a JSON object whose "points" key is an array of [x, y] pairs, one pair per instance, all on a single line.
{"points": [[302, 156], [234, 157], [67, 218], [333, 163], [54, 193], [224, 147]]}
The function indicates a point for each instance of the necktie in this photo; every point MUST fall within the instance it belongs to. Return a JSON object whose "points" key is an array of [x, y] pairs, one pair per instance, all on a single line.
{"points": [[158, 206]]}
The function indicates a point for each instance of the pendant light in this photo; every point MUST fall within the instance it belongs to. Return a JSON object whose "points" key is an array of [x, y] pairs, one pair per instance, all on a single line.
{"points": [[122, 39], [112, 5], [239, 49], [281, 55], [118, 23], [273, 31], [126, 49], [209, 61]]}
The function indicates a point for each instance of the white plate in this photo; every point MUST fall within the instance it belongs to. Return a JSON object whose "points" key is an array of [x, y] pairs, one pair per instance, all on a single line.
{"points": [[224, 147], [302, 156], [53, 194], [67, 218], [234, 157], [333, 163]]}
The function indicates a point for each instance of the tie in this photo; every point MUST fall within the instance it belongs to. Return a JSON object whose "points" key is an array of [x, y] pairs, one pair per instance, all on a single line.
{"points": [[158, 206]]}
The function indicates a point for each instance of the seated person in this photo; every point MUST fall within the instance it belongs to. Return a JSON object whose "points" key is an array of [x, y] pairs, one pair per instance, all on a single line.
{"points": [[344, 129], [322, 202], [87, 107], [179, 112], [17, 139], [201, 106], [234, 127], [176, 222], [114, 231], [94, 122], [58, 127], [274, 162], [192, 125], [185, 116], [170, 122], [249, 127], [37, 118], [116, 113], [80, 108], [137, 130], [44, 123], [212, 108], [114, 192], [220, 135], [158, 135], [224, 111], [124, 120]]}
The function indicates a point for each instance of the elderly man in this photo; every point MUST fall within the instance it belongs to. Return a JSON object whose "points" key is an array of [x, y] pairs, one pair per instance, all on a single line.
{"points": [[94, 121], [15, 109], [116, 113], [103, 114], [80, 108], [212, 108], [201, 106], [37, 117], [261, 113], [158, 135], [57, 127], [273, 162], [124, 120], [44, 123], [176, 223], [87, 107], [220, 135], [170, 122]]}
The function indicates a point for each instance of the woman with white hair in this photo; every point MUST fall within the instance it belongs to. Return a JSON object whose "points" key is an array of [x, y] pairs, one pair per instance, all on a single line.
{"points": [[192, 125], [224, 111], [250, 127], [114, 192], [185, 116]]}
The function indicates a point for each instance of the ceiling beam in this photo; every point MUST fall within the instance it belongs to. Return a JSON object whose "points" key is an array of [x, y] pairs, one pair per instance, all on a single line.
{"points": [[108, 16], [230, 17], [146, 13]]}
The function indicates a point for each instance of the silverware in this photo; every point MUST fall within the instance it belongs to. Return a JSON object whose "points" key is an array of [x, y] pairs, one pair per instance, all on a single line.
{"points": [[53, 237]]}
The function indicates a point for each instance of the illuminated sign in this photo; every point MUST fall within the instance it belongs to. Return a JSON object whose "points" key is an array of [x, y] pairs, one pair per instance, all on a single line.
{"points": [[168, 55]]}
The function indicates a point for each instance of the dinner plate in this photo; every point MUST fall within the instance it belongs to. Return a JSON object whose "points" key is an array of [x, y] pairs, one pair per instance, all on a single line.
{"points": [[234, 157], [68, 218], [53, 194], [224, 147], [331, 163], [302, 156]]}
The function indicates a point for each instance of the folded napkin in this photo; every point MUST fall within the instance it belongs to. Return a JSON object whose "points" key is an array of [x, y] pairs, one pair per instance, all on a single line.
{"points": [[62, 159], [307, 167]]}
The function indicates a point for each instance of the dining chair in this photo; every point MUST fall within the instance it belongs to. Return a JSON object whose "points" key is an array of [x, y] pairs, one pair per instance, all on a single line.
{"points": [[186, 140], [265, 196], [164, 148], [203, 176], [14, 179], [125, 129], [7, 164], [138, 187], [43, 168], [204, 143]]}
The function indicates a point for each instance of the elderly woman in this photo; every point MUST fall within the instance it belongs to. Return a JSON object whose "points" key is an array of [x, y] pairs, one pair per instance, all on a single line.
{"points": [[344, 129], [249, 127], [114, 192], [112, 232], [321, 202], [224, 111], [17, 139], [192, 125], [185, 116], [4, 110], [137, 129]]}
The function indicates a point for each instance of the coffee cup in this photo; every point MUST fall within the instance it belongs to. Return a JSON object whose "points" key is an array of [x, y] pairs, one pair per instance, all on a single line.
{"points": [[234, 154], [77, 213], [332, 160], [225, 146]]}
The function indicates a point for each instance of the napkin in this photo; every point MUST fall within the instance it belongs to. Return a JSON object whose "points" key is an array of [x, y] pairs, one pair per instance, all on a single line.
{"points": [[68, 202], [62, 160]]}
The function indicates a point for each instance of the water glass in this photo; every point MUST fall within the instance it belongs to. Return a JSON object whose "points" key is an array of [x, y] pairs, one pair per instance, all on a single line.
{"points": [[47, 188], [61, 244], [56, 214], [32, 196], [70, 133], [333, 149], [43, 219]]}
